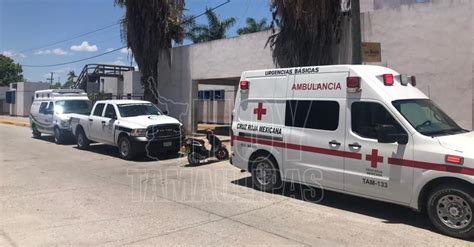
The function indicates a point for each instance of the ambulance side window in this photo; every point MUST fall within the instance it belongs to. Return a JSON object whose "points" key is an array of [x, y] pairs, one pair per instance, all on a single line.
{"points": [[42, 107], [366, 117], [320, 115]]}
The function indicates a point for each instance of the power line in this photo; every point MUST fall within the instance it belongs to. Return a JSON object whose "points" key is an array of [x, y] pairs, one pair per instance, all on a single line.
{"points": [[72, 38], [114, 50], [75, 61]]}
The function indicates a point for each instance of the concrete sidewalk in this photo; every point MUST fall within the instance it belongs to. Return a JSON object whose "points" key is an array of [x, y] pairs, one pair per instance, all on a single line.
{"points": [[17, 121]]}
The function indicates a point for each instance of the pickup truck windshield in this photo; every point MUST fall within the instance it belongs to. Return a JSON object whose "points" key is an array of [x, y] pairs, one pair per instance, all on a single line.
{"points": [[133, 110], [72, 106], [427, 118]]}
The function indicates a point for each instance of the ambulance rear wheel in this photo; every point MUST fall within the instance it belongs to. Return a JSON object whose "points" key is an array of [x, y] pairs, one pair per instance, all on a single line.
{"points": [[36, 133], [451, 210], [265, 174]]}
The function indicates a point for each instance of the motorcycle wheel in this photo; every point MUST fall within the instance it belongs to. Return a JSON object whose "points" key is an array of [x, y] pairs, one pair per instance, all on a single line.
{"points": [[222, 154], [192, 159]]}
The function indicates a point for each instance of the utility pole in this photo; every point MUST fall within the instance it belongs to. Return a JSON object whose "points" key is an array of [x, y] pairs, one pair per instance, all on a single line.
{"points": [[356, 32], [51, 80]]}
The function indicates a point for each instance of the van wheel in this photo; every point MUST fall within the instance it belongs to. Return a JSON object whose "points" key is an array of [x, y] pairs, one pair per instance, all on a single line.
{"points": [[36, 133], [450, 209], [126, 150], [58, 136], [82, 141], [265, 174]]}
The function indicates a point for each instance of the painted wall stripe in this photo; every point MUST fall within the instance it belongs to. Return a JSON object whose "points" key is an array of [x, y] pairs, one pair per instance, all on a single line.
{"points": [[392, 161]]}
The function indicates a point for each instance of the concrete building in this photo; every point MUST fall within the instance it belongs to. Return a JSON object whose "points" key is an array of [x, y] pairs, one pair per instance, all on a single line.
{"points": [[371, 5], [4, 107], [433, 41], [21, 95], [115, 81]]}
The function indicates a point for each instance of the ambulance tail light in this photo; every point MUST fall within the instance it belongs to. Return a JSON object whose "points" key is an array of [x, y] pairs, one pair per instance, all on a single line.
{"points": [[388, 79], [244, 85], [453, 159], [353, 84]]}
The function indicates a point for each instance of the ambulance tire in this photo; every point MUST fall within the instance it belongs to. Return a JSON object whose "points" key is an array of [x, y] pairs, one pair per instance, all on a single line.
{"points": [[266, 174], [36, 133], [451, 209]]}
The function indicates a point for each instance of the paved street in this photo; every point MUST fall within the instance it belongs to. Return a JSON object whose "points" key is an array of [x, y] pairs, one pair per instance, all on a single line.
{"points": [[59, 195]]}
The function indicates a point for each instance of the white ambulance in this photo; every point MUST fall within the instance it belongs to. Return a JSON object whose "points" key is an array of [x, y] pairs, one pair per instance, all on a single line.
{"points": [[52, 109], [357, 129]]}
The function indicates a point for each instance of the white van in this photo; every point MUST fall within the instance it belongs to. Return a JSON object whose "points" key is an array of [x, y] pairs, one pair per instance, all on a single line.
{"points": [[361, 130], [51, 110]]}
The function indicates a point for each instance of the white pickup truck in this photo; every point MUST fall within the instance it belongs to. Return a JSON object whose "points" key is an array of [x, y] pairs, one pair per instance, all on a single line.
{"points": [[133, 126]]}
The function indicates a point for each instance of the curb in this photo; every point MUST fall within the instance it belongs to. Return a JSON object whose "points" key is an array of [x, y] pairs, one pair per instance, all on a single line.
{"points": [[19, 124]]}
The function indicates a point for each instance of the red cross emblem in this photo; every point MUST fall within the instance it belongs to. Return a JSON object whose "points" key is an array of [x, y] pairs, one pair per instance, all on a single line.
{"points": [[374, 158], [260, 111]]}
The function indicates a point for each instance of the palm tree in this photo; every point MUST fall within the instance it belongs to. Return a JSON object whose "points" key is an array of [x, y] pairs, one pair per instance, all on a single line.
{"points": [[215, 28], [149, 28], [253, 26], [305, 32], [71, 76]]}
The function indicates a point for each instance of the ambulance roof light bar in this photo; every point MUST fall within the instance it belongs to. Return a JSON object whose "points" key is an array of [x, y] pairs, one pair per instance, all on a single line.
{"points": [[244, 85], [388, 79], [353, 84]]}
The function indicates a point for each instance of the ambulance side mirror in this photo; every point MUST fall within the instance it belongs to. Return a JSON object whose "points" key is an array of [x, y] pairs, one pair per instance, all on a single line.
{"points": [[390, 134]]}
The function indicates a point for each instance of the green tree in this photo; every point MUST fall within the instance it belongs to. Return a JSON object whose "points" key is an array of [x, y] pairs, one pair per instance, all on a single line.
{"points": [[214, 29], [9, 71], [253, 26], [71, 76], [305, 32], [149, 28]]}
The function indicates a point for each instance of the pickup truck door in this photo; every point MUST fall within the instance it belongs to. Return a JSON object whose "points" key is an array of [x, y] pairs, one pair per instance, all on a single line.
{"points": [[108, 124], [95, 123]]}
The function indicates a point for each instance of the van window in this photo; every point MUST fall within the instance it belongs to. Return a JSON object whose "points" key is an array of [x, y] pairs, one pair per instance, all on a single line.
{"points": [[366, 117], [98, 109], [110, 112], [321, 115], [42, 107]]}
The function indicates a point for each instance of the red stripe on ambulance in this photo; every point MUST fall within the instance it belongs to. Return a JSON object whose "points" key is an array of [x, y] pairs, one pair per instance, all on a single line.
{"points": [[357, 156]]}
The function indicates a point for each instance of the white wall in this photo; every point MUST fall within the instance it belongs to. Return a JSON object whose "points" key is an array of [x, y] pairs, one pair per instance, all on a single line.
{"points": [[4, 107], [433, 41], [132, 84], [24, 97]]}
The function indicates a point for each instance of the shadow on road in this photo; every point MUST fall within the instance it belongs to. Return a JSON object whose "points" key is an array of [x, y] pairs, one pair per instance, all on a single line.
{"points": [[389, 213], [112, 151], [48, 138]]}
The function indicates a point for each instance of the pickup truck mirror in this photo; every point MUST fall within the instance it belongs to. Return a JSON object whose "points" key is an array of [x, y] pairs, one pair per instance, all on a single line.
{"points": [[390, 134], [165, 112]]}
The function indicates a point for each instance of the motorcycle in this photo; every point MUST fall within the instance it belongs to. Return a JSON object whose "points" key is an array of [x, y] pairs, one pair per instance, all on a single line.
{"points": [[197, 151]]}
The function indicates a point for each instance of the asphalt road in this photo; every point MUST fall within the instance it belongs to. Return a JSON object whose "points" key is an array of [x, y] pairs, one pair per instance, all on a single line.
{"points": [[59, 195]]}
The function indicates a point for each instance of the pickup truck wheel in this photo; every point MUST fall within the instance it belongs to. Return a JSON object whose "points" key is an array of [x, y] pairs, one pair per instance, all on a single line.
{"points": [[451, 210], [58, 136], [82, 141], [36, 133], [126, 149]]}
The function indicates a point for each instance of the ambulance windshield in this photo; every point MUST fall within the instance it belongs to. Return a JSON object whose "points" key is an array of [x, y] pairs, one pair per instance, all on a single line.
{"points": [[427, 118]]}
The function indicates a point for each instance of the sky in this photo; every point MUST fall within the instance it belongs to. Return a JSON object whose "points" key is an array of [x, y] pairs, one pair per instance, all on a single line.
{"points": [[27, 26]]}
